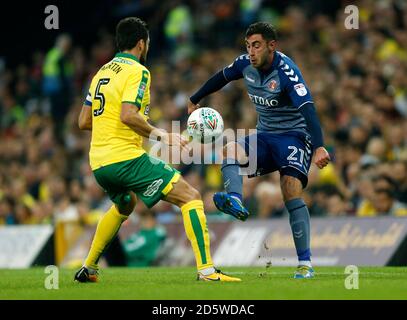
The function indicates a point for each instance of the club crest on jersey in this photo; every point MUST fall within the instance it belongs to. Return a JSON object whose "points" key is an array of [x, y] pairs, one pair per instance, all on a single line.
{"points": [[272, 85], [300, 89]]}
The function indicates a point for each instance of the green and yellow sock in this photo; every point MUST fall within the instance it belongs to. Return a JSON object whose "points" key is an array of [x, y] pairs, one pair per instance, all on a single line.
{"points": [[106, 230], [197, 233]]}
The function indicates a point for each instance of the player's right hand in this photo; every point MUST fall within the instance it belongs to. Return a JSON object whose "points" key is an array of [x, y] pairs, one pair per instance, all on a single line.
{"points": [[321, 157], [175, 139], [192, 107]]}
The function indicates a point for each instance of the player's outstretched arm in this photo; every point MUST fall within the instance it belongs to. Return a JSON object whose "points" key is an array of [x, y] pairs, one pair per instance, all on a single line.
{"points": [[215, 83], [131, 117], [218, 81], [85, 118]]}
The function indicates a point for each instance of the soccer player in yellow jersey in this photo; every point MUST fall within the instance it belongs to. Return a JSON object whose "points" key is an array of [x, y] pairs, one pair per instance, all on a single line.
{"points": [[116, 110]]}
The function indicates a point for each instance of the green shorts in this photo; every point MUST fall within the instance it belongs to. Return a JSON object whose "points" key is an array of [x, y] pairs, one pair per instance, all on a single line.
{"points": [[148, 177]]}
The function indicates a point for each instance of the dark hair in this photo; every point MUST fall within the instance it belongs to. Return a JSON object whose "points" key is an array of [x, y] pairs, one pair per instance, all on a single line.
{"points": [[264, 28], [386, 178], [129, 31], [390, 190]]}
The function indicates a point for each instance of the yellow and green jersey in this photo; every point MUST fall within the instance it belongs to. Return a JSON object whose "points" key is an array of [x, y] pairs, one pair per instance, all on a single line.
{"points": [[123, 79]]}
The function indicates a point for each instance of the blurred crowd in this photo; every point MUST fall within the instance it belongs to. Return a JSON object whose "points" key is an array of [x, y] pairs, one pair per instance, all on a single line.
{"points": [[357, 79]]}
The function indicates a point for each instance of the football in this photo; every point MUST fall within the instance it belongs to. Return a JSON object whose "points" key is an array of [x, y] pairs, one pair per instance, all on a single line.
{"points": [[205, 125]]}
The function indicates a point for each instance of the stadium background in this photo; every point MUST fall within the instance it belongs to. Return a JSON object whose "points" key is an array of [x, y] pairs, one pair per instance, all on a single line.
{"points": [[357, 78]]}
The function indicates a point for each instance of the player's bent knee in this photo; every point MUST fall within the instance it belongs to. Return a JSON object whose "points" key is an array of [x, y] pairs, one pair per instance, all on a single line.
{"points": [[233, 150], [192, 194], [229, 150], [291, 187], [182, 193], [189, 194], [127, 209]]}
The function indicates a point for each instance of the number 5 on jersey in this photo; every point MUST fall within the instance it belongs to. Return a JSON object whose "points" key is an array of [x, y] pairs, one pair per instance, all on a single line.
{"points": [[99, 96]]}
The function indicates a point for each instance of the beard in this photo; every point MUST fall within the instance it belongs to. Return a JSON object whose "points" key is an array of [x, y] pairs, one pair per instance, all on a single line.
{"points": [[264, 61]]}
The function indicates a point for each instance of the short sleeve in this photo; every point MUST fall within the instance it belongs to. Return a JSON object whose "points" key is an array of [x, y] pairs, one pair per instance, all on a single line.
{"points": [[294, 84], [136, 87], [234, 71]]}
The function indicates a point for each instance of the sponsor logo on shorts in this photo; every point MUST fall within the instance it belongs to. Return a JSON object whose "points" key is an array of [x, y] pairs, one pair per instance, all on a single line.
{"points": [[153, 188]]}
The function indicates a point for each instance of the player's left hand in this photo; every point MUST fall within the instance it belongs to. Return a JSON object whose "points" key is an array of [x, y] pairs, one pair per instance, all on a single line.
{"points": [[321, 157]]}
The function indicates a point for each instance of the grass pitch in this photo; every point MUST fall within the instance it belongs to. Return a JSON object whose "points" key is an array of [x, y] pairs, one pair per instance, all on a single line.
{"points": [[162, 283]]}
